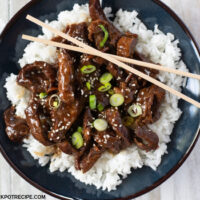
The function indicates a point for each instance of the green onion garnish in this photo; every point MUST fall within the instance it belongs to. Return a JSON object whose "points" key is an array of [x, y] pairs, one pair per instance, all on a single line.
{"points": [[80, 129], [106, 78], [92, 101], [135, 110], [87, 69], [100, 124], [77, 140], [104, 87], [42, 95], [55, 104], [54, 101], [88, 85], [100, 107], [128, 121], [111, 92], [116, 100], [102, 43]]}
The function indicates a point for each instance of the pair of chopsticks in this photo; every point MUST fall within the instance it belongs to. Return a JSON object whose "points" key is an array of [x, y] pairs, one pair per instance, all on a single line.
{"points": [[84, 48]]}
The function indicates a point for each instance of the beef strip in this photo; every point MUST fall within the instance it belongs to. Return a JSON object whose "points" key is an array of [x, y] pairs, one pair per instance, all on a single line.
{"points": [[16, 127], [38, 121], [96, 12], [100, 61], [116, 71], [87, 136], [146, 139], [67, 148], [150, 72], [90, 159], [59, 39], [127, 92], [92, 78], [133, 82], [126, 45], [87, 127], [65, 77], [98, 17], [150, 99], [38, 77], [108, 140], [96, 35], [114, 119], [78, 31], [62, 119], [102, 98]]}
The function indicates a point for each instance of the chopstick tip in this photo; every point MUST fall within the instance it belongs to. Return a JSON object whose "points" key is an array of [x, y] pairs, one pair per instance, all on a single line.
{"points": [[28, 16], [26, 37], [23, 36]]}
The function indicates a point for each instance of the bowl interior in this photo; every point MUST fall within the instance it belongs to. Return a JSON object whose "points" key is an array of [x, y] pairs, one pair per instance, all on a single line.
{"points": [[64, 184]]}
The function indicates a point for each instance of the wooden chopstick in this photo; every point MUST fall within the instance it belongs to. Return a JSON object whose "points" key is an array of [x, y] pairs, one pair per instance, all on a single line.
{"points": [[113, 60], [123, 59]]}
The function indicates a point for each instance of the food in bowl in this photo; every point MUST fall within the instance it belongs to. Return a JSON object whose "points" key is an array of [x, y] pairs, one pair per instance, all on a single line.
{"points": [[80, 112]]}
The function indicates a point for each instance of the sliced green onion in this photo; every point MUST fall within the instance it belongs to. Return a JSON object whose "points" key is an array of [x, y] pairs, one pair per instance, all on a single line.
{"points": [[100, 107], [135, 110], [100, 124], [106, 34], [55, 104], [111, 92], [87, 69], [128, 121], [92, 101], [42, 95], [54, 101], [116, 100], [80, 129], [104, 87], [106, 78], [88, 85], [77, 140]]}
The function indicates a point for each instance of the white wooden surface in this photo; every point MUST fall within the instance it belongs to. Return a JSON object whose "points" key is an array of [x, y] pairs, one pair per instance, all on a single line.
{"points": [[183, 185]]}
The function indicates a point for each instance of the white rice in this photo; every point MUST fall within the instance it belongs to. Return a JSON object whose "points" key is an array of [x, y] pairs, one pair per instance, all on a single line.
{"points": [[106, 172], [18, 95]]}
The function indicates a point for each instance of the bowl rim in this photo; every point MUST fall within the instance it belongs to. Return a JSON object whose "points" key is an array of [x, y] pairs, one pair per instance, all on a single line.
{"points": [[161, 180]]}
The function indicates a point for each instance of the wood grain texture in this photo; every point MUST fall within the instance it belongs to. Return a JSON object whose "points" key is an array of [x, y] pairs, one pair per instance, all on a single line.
{"points": [[4, 10], [188, 11], [183, 185]]}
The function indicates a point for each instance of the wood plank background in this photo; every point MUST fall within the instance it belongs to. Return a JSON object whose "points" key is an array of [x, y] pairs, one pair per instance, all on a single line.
{"points": [[183, 185]]}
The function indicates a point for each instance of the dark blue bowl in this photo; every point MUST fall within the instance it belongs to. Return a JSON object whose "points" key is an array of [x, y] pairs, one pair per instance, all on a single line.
{"points": [[186, 131]]}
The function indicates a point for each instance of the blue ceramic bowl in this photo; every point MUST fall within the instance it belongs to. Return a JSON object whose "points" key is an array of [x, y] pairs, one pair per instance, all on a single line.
{"points": [[185, 133]]}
